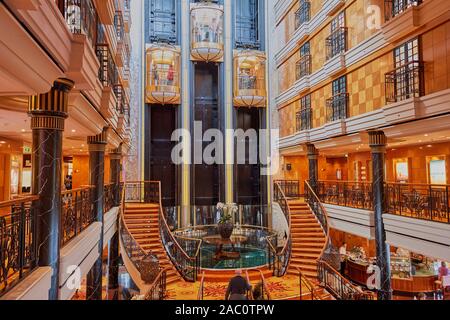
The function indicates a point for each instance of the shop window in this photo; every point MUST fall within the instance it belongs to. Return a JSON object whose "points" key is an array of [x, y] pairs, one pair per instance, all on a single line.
{"points": [[437, 171], [401, 170]]}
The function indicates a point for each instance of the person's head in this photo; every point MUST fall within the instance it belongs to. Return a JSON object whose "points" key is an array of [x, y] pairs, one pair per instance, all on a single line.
{"points": [[257, 291], [443, 264], [344, 245], [422, 296], [238, 272]]}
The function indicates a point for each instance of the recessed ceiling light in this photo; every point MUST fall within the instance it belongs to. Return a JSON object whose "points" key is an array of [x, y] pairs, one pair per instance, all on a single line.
{"points": [[2, 142], [73, 130], [23, 130], [420, 140], [421, 148], [429, 146], [425, 135], [82, 145]]}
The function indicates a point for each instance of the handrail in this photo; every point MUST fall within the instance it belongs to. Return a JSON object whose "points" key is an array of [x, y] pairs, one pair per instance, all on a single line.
{"points": [[323, 221], [20, 200], [157, 290], [201, 288], [308, 284], [194, 261], [342, 288], [283, 256], [265, 290]]}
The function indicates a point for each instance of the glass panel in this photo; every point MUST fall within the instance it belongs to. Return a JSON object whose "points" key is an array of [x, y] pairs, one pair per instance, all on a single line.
{"points": [[162, 21], [247, 24]]}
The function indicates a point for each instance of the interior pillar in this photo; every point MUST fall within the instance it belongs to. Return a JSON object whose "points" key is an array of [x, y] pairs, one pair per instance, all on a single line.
{"points": [[48, 112], [377, 142], [313, 156], [97, 145]]}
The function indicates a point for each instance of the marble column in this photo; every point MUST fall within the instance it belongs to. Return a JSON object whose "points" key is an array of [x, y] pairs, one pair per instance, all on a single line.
{"points": [[313, 156], [48, 112], [113, 263], [97, 145], [377, 142]]}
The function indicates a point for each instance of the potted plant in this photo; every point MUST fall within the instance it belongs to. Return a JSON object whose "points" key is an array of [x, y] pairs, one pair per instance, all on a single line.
{"points": [[225, 225]]}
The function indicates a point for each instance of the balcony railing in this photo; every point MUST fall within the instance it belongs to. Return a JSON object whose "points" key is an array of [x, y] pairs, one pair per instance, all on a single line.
{"points": [[81, 17], [303, 14], [405, 82], [119, 25], [108, 73], [419, 201], [303, 67], [77, 212], [303, 119], [290, 188], [354, 194], [18, 249], [336, 43], [337, 107], [393, 8]]}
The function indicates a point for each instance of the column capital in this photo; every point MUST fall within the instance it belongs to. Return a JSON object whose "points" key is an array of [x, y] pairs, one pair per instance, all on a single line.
{"points": [[311, 151], [116, 153], [377, 141], [99, 139], [48, 110]]}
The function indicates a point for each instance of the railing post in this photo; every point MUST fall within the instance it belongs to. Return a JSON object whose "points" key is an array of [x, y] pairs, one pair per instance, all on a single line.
{"points": [[22, 222]]}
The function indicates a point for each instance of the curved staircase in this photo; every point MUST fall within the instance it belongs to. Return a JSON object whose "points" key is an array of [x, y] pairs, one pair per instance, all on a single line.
{"points": [[308, 239], [142, 220]]}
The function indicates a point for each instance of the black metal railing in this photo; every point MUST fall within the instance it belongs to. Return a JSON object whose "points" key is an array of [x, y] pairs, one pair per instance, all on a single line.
{"points": [[158, 288], [338, 286], [303, 119], [109, 196], [303, 14], [81, 17], [305, 283], [336, 42], [405, 82], [260, 291], [420, 201], [279, 259], [290, 188], [201, 288], [303, 67], [18, 248], [355, 194], [393, 8], [108, 72], [77, 212], [337, 107]]}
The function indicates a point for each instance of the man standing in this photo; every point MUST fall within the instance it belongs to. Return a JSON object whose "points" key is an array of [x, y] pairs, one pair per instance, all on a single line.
{"points": [[237, 287]]}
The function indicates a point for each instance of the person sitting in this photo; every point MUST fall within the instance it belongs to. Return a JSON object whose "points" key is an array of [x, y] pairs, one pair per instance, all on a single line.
{"points": [[237, 287], [258, 292]]}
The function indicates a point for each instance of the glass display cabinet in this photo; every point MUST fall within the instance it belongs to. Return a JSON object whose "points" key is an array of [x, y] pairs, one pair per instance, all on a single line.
{"points": [[249, 79], [162, 74], [207, 32]]}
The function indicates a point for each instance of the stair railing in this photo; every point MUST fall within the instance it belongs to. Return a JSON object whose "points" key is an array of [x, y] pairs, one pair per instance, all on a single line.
{"points": [[338, 286], [201, 289], [132, 248], [307, 283], [329, 259], [158, 288], [183, 252], [265, 293], [279, 260]]}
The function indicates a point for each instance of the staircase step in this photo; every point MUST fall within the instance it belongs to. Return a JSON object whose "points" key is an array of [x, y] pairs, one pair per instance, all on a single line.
{"points": [[309, 244], [303, 261]]}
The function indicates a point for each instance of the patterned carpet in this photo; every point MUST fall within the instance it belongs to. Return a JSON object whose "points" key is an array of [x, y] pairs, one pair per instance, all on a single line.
{"points": [[279, 288]]}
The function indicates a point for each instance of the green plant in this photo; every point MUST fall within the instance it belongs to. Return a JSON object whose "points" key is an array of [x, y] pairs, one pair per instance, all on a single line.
{"points": [[226, 211]]}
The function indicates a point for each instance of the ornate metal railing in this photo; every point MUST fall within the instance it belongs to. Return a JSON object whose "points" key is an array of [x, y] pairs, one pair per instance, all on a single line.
{"points": [[81, 17], [290, 188], [108, 73], [393, 8], [279, 259], [336, 42], [158, 288], [133, 249], [329, 253], [109, 196], [337, 107], [303, 119], [142, 192], [354, 194], [119, 25], [77, 212], [338, 286], [303, 14], [264, 292], [18, 247], [303, 66], [405, 82], [201, 288], [305, 282], [419, 201]]}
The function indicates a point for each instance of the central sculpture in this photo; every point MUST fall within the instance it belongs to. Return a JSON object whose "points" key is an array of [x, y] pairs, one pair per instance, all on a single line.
{"points": [[225, 224]]}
